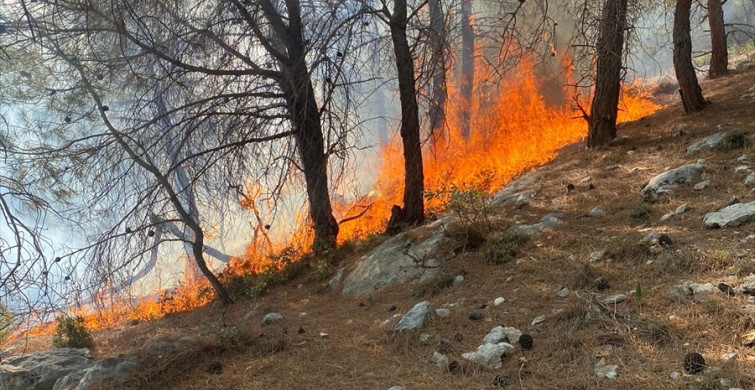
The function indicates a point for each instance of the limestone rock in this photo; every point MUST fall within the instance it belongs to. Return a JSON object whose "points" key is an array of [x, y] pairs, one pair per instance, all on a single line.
{"points": [[614, 299], [502, 333], [439, 359], [681, 209], [395, 261], [706, 143], [701, 185], [521, 201], [696, 292], [271, 318], [113, 371], [499, 301], [750, 179], [442, 313], [731, 216], [605, 371], [748, 285], [548, 221], [458, 280], [596, 212], [563, 292], [40, 370], [417, 317], [671, 179], [515, 188], [489, 355], [336, 280]]}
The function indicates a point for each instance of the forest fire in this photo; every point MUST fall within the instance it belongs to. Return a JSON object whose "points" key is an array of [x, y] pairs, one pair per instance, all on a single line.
{"points": [[512, 130]]}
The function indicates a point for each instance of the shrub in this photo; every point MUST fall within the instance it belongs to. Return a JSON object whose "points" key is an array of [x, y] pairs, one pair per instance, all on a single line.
{"points": [[72, 332], [472, 206], [501, 249], [736, 139], [641, 211]]}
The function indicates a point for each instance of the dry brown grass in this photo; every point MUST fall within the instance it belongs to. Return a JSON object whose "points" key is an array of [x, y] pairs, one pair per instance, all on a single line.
{"points": [[646, 338]]}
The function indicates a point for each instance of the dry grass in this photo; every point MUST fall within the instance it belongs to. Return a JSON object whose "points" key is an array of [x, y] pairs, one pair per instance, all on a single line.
{"points": [[647, 338]]}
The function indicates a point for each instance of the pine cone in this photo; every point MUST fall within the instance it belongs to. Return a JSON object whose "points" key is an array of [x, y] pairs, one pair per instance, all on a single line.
{"points": [[694, 363], [601, 284], [525, 341]]}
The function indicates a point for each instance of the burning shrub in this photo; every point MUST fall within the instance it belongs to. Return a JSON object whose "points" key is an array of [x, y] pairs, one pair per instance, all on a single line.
{"points": [[472, 206], [71, 332]]}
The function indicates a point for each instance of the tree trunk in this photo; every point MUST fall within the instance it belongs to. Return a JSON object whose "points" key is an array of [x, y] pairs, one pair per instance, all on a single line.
{"points": [[467, 66], [438, 66], [605, 102], [198, 247], [689, 88], [719, 60], [306, 122], [413, 212]]}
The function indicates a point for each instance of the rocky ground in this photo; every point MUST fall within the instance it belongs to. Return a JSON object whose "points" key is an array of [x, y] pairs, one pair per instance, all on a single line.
{"points": [[630, 267]]}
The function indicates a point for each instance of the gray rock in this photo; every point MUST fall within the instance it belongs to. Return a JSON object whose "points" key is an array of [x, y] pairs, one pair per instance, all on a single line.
{"points": [[397, 260], [671, 179], [499, 301], [748, 285], [514, 188], [396, 388], [336, 280], [742, 169], [548, 221], [681, 209], [439, 359], [417, 317], [113, 371], [605, 371], [442, 313], [729, 357], [458, 280], [597, 255], [706, 143], [748, 96], [537, 321], [425, 338], [675, 375], [596, 212], [476, 315], [666, 217], [40, 370], [563, 292], [701, 185], [500, 333], [489, 355], [521, 201], [730, 216], [680, 129], [696, 292], [650, 237], [750, 179], [614, 299], [271, 318]]}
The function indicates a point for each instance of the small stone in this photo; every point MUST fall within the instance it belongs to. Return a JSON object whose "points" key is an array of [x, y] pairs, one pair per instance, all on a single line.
{"points": [[476, 315], [417, 317], [729, 357], [693, 363], [489, 355], [323, 335], [537, 321], [680, 129], [655, 249], [650, 237], [681, 209], [396, 388], [750, 180], [701, 185], [498, 301], [596, 212], [442, 313], [742, 169], [458, 280], [425, 338], [605, 371], [675, 375], [271, 318], [521, 201], [439, 359], [666, 217], [614, 299], [597, 255], [563, 292]]}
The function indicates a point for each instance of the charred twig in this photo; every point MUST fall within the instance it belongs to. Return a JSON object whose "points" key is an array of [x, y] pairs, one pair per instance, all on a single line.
{"points": [[353, 217]]}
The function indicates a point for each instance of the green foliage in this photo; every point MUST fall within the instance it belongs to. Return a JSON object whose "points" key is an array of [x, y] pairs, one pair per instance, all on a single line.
{"points": [[641, 211], [736, 139], [227, 336], [6, 323], [71, 332], [434, 285], [472, 206], [502, 248], [638, 291], [286, 265]]}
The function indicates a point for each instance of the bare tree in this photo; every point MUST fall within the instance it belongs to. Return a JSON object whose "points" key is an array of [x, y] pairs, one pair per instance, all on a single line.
{"points": [[719, 60], [466, 84], [689, 88], [605, 103], [439, 47]]}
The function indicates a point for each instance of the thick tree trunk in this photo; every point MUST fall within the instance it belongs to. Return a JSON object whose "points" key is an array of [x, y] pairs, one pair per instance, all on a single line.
{"points": [[719, 60], [413, 212], [605, 102], [439, 92], [467, 66], [306, 122], [689, 88]]}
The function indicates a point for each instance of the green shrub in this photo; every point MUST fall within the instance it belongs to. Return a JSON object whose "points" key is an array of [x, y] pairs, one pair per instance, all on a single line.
{"points": [[736, 139], [502, 248], [472, 206], [6, 323], [71, 332], [641, 211]]}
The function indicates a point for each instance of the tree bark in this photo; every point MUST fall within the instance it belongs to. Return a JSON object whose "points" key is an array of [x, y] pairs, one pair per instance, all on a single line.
{"points": [[467, 66], [689, 88], [439, 92], [413, 212], [719, 60], [605, 103], [306, 122]]}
